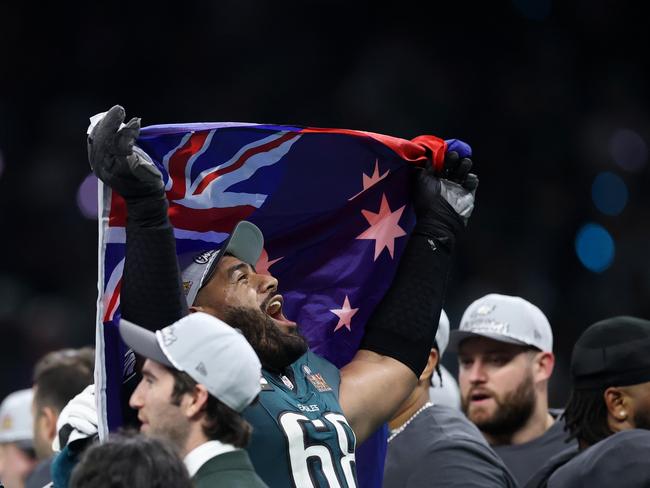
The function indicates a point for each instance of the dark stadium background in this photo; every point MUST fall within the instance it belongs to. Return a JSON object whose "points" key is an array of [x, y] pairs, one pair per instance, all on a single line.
{"points": [[549, 93]]}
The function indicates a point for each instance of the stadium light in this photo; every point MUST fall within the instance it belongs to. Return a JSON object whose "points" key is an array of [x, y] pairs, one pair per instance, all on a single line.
{"points": [[594, 247], [609, 193], [87, 197], [629, 150]]}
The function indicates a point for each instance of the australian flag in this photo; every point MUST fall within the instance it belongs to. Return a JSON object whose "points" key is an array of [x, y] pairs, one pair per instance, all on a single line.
{"points": [[333, 206]]}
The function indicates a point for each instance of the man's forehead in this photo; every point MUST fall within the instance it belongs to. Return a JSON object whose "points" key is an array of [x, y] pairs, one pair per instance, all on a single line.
{"points": [[229, 263], [154, 367], [486, 345]]}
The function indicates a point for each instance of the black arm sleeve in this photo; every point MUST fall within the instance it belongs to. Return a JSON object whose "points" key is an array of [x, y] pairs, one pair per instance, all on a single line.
{"points": [[404, 324], [151, 294]]}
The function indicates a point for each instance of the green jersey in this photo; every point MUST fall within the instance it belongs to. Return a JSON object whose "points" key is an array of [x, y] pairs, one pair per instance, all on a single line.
{"points": [[300, 437]]}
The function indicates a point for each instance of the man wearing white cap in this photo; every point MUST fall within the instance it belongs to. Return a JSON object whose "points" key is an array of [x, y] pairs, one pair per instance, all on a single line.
{"points": [[444, 387], [435, 445], [505, 354], [199, 375], [17, 457]]}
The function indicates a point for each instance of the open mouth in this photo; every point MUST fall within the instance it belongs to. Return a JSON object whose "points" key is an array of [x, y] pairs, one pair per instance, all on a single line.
{"points": [[479, 396], [274, 310]]}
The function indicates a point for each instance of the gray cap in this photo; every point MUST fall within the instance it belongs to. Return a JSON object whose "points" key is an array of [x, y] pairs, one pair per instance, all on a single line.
{"points": [[246, 243], [504, 318], [210, 351], [16, 417]]}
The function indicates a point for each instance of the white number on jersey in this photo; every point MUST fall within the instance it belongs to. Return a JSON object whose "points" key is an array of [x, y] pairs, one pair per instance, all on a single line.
{"points": [[293, 425]]}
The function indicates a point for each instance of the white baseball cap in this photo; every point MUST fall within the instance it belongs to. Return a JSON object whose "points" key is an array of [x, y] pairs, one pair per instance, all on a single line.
{"points": [[206, 348], [245, 243], [442, 334], [16, 417], [504, 318]]}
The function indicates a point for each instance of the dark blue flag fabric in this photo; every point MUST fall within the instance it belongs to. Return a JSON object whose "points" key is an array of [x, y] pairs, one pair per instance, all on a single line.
{"points": [[333, 205]]}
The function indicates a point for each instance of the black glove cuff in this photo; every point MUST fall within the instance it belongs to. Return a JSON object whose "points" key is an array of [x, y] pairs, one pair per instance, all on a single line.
{"points": [[441, 223], [150, 211], [404, 324]]}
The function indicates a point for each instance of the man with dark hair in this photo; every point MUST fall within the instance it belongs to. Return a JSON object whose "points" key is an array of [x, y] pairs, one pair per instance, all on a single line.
{"points": [[130, 461], [505, 356], [310, 415], [608, 412], [58, 377], [430, 442], [199, 375]]}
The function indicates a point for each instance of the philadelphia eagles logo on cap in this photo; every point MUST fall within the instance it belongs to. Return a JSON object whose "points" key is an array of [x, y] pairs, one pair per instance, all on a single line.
{"points": [[204, 257]]}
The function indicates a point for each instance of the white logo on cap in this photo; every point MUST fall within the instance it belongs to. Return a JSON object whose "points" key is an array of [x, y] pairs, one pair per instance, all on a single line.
{"points": [[483, 310], [168, 336], [129, 365], [204, 257], [482, 325]]}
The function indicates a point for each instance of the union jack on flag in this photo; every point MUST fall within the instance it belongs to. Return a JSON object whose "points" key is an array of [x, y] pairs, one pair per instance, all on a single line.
{"points": [[333, 205]]}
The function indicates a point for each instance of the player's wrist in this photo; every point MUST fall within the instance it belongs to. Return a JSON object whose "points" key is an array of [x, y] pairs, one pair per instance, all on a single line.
{"points": [[440, 223], [147, 211]]}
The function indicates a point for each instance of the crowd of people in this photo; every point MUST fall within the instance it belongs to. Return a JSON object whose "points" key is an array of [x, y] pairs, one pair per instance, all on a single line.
{"points": [[494, 429], [228, 393]]}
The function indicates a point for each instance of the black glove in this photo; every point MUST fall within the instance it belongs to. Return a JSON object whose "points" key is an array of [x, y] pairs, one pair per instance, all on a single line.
{"points": [[127, 169], [444, 202]]}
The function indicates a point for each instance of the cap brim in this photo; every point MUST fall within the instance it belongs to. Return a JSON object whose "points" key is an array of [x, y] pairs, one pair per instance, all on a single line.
{"points": [[25, 444], [458, 336], [246, 243], [143, 342]]}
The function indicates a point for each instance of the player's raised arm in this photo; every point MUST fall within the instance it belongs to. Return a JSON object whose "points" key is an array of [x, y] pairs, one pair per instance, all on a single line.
{"points": [[399, 334], [151, 292]]}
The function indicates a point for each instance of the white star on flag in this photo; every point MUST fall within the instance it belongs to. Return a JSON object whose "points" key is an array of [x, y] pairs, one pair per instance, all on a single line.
{"points": [[344, 314], [263, 263], [384, 227], [369, 181]]}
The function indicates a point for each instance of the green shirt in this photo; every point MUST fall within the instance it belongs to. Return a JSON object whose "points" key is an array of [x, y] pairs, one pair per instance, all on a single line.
{"points": [[232, 469], [300, 437]]}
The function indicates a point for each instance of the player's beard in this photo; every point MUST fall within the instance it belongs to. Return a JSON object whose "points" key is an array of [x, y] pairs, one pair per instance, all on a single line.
{"points": [[275, 348], [511, 413]]}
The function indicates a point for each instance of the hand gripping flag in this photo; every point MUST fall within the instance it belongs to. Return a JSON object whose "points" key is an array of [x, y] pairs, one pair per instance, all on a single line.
{"points": [[333, 206]]}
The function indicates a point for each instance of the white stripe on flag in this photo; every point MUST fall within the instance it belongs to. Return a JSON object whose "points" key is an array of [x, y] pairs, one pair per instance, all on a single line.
{"points": [[117, 235]]}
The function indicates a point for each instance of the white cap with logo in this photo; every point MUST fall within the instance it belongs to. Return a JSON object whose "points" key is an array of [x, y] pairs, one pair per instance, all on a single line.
{"points": [[246, 243], [505, 318], [210, 351], [16, 417]]}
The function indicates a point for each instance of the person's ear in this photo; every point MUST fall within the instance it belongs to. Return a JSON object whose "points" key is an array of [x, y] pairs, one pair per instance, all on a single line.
{"points": [[430, 368], [619, 406], [544, 363], [47, 418], [197, 402]]}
